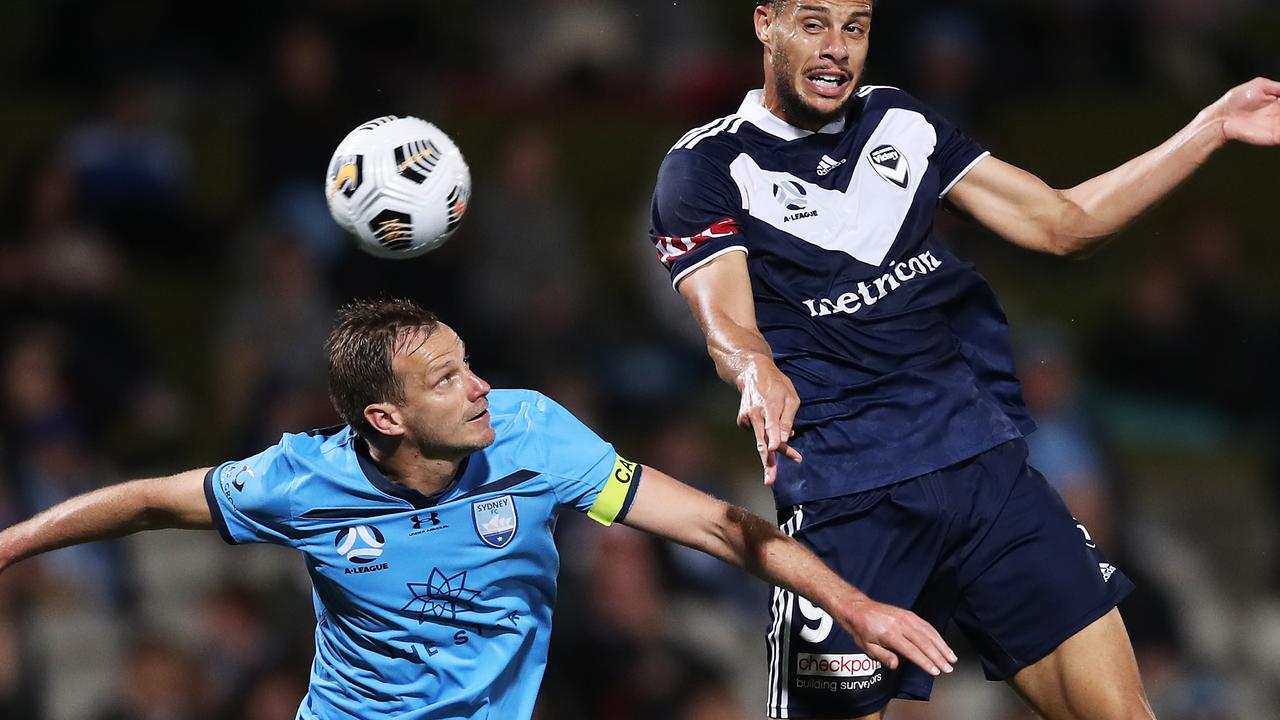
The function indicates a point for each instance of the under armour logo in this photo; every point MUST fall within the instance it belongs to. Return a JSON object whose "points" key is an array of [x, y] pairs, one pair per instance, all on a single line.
{"points": [[433, 517]]}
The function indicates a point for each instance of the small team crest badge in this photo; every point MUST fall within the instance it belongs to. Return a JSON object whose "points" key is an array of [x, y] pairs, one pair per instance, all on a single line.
{"points": [[891, 165], [495, 520]]}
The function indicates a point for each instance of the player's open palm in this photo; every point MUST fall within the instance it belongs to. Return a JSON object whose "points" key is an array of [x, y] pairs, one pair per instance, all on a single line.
{"points": [[1251, 112], [885, 631], [768, 407]]}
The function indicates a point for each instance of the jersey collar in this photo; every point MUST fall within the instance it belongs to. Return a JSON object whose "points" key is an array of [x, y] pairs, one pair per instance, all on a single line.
{"points": [[754, 111], [395, 489]]}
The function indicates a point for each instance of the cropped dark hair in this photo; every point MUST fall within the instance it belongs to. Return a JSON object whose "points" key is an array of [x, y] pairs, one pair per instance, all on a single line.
{"points": [[360, 349]]}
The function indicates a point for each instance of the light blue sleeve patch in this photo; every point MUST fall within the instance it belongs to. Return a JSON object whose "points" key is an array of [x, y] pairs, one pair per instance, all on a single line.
{"points": [[251, 500]]}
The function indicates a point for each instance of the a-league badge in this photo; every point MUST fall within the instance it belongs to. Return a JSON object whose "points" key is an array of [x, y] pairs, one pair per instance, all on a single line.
{"points": [[495, 520]]}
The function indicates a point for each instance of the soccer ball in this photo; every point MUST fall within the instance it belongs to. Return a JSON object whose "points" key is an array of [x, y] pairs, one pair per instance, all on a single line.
{"points": [[399, 184]]}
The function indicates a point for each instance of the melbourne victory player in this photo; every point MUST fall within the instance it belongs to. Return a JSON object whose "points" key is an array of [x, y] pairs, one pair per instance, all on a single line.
{"points": [[426, 523], [799, 230]]}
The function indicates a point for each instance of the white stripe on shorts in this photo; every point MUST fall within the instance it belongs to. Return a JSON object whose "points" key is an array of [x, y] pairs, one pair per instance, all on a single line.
{"points": [[779, 638]]}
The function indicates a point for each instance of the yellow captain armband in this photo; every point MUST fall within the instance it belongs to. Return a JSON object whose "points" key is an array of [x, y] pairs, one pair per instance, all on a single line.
{"points": [[614, 500]]}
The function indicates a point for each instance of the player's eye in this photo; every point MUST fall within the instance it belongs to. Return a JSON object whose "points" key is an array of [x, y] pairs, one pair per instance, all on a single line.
{"points": [[855, 29], [813, 26]]}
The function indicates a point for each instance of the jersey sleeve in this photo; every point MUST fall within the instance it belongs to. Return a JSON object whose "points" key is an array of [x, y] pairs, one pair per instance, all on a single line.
{"points": [[955, 154], [696, 208], [250, 499], [585, 472]]}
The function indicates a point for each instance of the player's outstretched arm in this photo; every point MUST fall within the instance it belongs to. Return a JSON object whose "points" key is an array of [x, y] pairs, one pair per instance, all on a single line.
{"points": [[1024, 210], [719, 293], [668, 508], [176, 501]]}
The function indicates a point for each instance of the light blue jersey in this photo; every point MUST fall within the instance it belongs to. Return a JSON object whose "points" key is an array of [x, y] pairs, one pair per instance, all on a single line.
{"points": [[427, 607]]}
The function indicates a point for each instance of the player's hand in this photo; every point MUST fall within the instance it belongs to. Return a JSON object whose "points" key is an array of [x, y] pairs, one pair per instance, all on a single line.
{"points": [[885, 631], [1250, 113], [768, 407]]}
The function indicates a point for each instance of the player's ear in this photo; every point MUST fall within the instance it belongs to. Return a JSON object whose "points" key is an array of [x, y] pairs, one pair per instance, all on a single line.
{"points": [[763, 20], [384, 418]]}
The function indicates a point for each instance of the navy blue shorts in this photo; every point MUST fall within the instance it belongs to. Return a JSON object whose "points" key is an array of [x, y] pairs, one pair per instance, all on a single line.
{"points": [[985, 542]]}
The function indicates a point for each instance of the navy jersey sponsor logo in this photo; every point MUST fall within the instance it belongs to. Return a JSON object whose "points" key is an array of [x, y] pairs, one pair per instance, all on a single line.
{"points": [[866, 294], [495, 520]]}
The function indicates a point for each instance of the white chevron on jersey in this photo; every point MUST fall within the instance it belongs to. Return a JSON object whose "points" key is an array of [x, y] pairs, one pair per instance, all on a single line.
{"points": [[861, 221]]}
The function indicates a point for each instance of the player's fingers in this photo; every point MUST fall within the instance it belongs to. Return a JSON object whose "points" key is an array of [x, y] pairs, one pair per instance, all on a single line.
{"points": [[791, 453], [908, 648], [772, 428], [770, 466], [931, 636], [931, 651], [789, 407], [881, 653]]}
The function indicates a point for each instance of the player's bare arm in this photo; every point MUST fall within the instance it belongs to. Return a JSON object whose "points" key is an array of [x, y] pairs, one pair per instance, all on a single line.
{"points": [[176, 501], [1024, 210], [719, 293], [668, 508]]}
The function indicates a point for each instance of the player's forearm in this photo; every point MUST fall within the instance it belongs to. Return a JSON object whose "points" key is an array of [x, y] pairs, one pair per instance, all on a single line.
{"points": [[111, 512], [737, 351], [1106, 204], [755, 545]]}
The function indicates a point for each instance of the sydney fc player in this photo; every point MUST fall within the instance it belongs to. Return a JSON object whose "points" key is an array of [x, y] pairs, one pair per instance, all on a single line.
{"points": [[426, 523], [799, 230]]}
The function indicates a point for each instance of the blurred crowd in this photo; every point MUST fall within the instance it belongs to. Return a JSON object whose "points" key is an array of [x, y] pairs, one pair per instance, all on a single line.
{"points": [[168, 273]]}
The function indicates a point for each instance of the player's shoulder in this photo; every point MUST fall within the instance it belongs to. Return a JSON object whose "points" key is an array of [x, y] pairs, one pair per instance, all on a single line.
{"points": [[322, 450], [524, 409], [533, 431], [874, 96], [712, 144]]}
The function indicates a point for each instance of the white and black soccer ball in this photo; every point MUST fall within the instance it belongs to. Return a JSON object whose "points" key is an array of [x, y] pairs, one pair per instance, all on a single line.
{"points": [[399, 184]]}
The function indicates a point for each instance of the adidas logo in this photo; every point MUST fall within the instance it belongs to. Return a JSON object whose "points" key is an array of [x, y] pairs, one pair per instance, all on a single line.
{"points": [[1107, 570], [827, 164]]}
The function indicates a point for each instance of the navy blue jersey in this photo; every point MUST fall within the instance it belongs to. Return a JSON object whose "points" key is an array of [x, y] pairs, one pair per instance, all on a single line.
{"points": [[898, 349]]}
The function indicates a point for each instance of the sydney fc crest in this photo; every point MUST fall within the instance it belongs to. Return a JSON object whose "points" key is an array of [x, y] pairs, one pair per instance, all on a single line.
{"points": [[495, 520], [890, 165]]}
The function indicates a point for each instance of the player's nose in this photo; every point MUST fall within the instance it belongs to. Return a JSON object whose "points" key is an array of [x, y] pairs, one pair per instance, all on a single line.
{"points": [[834, 48], [479, 388]]}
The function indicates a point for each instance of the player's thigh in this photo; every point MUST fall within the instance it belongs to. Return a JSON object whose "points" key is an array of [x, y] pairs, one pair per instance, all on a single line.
{"points": [[1091, 676]]}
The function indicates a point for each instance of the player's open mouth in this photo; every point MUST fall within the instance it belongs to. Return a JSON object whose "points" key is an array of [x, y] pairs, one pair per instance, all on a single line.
{"points": [[484, 415], [827, 83]]}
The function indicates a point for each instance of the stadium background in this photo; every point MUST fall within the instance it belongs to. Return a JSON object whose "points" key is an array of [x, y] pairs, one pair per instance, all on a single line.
{"points": [[168, 273]]}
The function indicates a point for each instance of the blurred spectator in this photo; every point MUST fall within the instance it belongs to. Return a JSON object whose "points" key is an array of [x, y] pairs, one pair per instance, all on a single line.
{"points": [[300, 120], [270, 362], [157, 682], [238, 650], [526, 259], [1063, 446], [131, 171]]}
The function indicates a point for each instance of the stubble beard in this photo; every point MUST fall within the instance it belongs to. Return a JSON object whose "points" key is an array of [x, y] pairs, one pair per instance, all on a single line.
{"points": [[798, 112]]}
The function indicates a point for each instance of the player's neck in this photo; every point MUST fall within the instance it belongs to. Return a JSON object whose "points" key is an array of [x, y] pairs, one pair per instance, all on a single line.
{"points": [[773, 103], [406, 465]]}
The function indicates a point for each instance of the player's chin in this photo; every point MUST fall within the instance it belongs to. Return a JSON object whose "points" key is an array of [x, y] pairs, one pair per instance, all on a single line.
{"points": [[483, 436], [828, 107]]}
